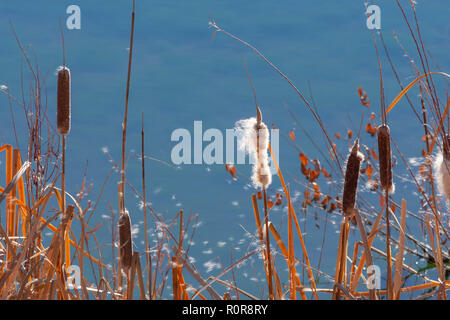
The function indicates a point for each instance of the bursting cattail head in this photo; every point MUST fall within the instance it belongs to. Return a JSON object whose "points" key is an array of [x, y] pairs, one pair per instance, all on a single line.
{"points": [[351, 179], [63, 112], [253, 138], [442, 169], [385, 158], [125, 240]]}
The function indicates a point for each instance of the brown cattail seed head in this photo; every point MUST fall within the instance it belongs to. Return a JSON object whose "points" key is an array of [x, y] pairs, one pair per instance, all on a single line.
{"points": [[351, 180], [125, 241], [63, 112], [385, 158]]}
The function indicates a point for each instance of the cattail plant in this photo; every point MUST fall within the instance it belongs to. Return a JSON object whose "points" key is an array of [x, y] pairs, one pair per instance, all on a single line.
{"points": [[125, 240], [63, 115], [254, 139], [442, 169], [351, 179], [385, 158]]}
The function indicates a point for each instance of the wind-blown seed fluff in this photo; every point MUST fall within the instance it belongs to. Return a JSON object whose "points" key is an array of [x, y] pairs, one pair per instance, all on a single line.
{"points": [[385, 158], [250, 132], [125, 241], [351, 179], [442, 170], [63, 113]]}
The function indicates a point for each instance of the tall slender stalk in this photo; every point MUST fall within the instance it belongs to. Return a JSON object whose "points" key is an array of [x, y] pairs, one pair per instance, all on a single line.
{"points": [[147, 249], [124, 127]]}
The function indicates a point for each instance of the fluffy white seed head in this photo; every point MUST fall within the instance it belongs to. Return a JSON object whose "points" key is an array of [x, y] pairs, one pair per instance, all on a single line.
{"points": [[442, 175], [253, 138]]}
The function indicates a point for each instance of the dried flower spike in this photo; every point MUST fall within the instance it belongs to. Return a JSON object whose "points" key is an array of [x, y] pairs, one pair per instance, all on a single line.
{"points": [[63, 113], [125, 240], [351, 179], [385, 158]]}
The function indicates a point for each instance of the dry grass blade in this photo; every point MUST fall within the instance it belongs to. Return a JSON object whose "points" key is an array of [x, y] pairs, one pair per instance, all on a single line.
{"points": [[212, 280], [409, 86], [205, 286], [14, 180]]}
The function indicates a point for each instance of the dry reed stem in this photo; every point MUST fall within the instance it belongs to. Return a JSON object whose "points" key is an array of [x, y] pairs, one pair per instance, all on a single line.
{"points": [[124, 125], [284, 251], [362, 260], [424, 286], [148, 262], [436, 251], [205, 285], [366, 244], [269, 257], [291, 259], [230, 286], [341, 261], [353, 266], [297, 226], [260, 234], [399, 257]]}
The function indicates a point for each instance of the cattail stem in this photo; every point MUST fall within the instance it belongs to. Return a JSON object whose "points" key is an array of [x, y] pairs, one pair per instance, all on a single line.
{"points": [[388, 250], [63, 176], [124, 128], [147, 249], [269, 259]]}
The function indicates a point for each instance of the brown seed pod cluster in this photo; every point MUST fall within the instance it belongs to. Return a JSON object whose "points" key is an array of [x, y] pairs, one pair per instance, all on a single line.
{"points": [[385, 158], [63, 113], [125, 240], [351, 179]]}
